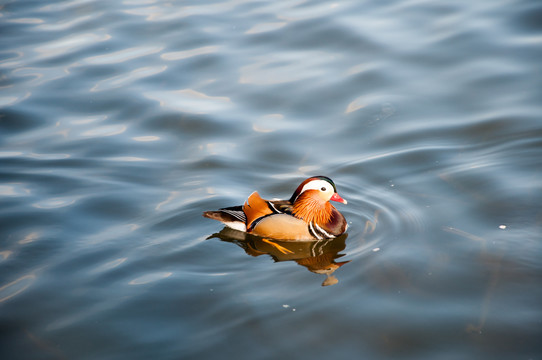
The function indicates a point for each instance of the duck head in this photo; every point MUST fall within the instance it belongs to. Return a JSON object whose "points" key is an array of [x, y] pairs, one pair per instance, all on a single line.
{"points": [[311, 200], [321, 187]]}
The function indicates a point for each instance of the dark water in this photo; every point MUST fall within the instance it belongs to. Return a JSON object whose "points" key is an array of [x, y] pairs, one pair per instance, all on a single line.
{"points": [[121, 121]]}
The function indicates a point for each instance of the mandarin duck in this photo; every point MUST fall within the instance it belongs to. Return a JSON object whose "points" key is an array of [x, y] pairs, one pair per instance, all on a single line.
{"points": [[307, 215]]}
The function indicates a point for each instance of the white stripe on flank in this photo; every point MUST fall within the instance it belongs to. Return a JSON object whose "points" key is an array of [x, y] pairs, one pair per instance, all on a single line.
{"points": [[322, 231], [314, 231]]}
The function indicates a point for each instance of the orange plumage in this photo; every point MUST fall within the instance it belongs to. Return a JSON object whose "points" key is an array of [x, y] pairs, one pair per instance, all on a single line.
{"points": [[311, 208], [255, 208]]}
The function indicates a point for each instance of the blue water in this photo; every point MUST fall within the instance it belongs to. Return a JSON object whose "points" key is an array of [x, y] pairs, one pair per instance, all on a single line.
{"points": [[122, 121]]}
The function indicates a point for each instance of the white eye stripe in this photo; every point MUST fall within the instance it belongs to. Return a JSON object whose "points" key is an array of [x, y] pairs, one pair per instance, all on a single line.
{"points": [[318, 185]]}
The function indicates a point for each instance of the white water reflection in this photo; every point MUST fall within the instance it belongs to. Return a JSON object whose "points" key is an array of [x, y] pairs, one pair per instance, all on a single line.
{"points": [[12, 99], [274, 122], [179, 55], [107, 130], [146, 138], [111, 233], [37, 76], [218, 148], [148, 278], [265, 27], [286, 67], [49, 156], [127, 159], [161, 13], [26, 21], [191, 101], [109, 265], [5, 254], [30, 237], [122, 55], [169, 201], [13, 189], [69, 44], [66, 24], [16, 287], [128, 78], [8, 154], [55, 203]]}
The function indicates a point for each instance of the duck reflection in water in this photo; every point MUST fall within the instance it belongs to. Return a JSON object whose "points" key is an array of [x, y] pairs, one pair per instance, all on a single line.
{"points": [[317, 256]]}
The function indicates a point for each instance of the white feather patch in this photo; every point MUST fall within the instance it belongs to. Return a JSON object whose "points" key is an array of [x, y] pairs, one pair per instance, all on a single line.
{"points": [[236, 225]]}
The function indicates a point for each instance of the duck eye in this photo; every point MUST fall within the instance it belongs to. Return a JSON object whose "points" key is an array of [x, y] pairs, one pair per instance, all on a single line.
{"points": [[323, 188]]}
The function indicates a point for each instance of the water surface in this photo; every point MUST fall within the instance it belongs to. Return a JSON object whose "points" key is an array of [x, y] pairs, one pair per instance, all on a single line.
{"points": [[120, 122]]}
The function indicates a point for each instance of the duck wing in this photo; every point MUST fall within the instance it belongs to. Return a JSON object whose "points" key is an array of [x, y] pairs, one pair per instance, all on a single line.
{"points": [[281, 206], [243, 217]]}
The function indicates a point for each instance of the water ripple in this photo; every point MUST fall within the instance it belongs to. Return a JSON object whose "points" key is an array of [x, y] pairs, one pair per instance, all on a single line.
{"points": [[146, 138], [108, 266], [67, 24], [180, 55], [55, 203], [127, 159], [37, 76], [126, 79], [122, 55], [285, 68], [158, 13], [30, 237], [26, 21], [148, 278], [70, 44], [121, 122], [16, 287], [106, 130], [8, 58], [265, 27], [14, 99], [48, 156], [191, 101], [13, 189]]}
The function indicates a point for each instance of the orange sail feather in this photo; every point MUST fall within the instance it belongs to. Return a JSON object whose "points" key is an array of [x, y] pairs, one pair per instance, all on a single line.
{"points": [[255, 207]]}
